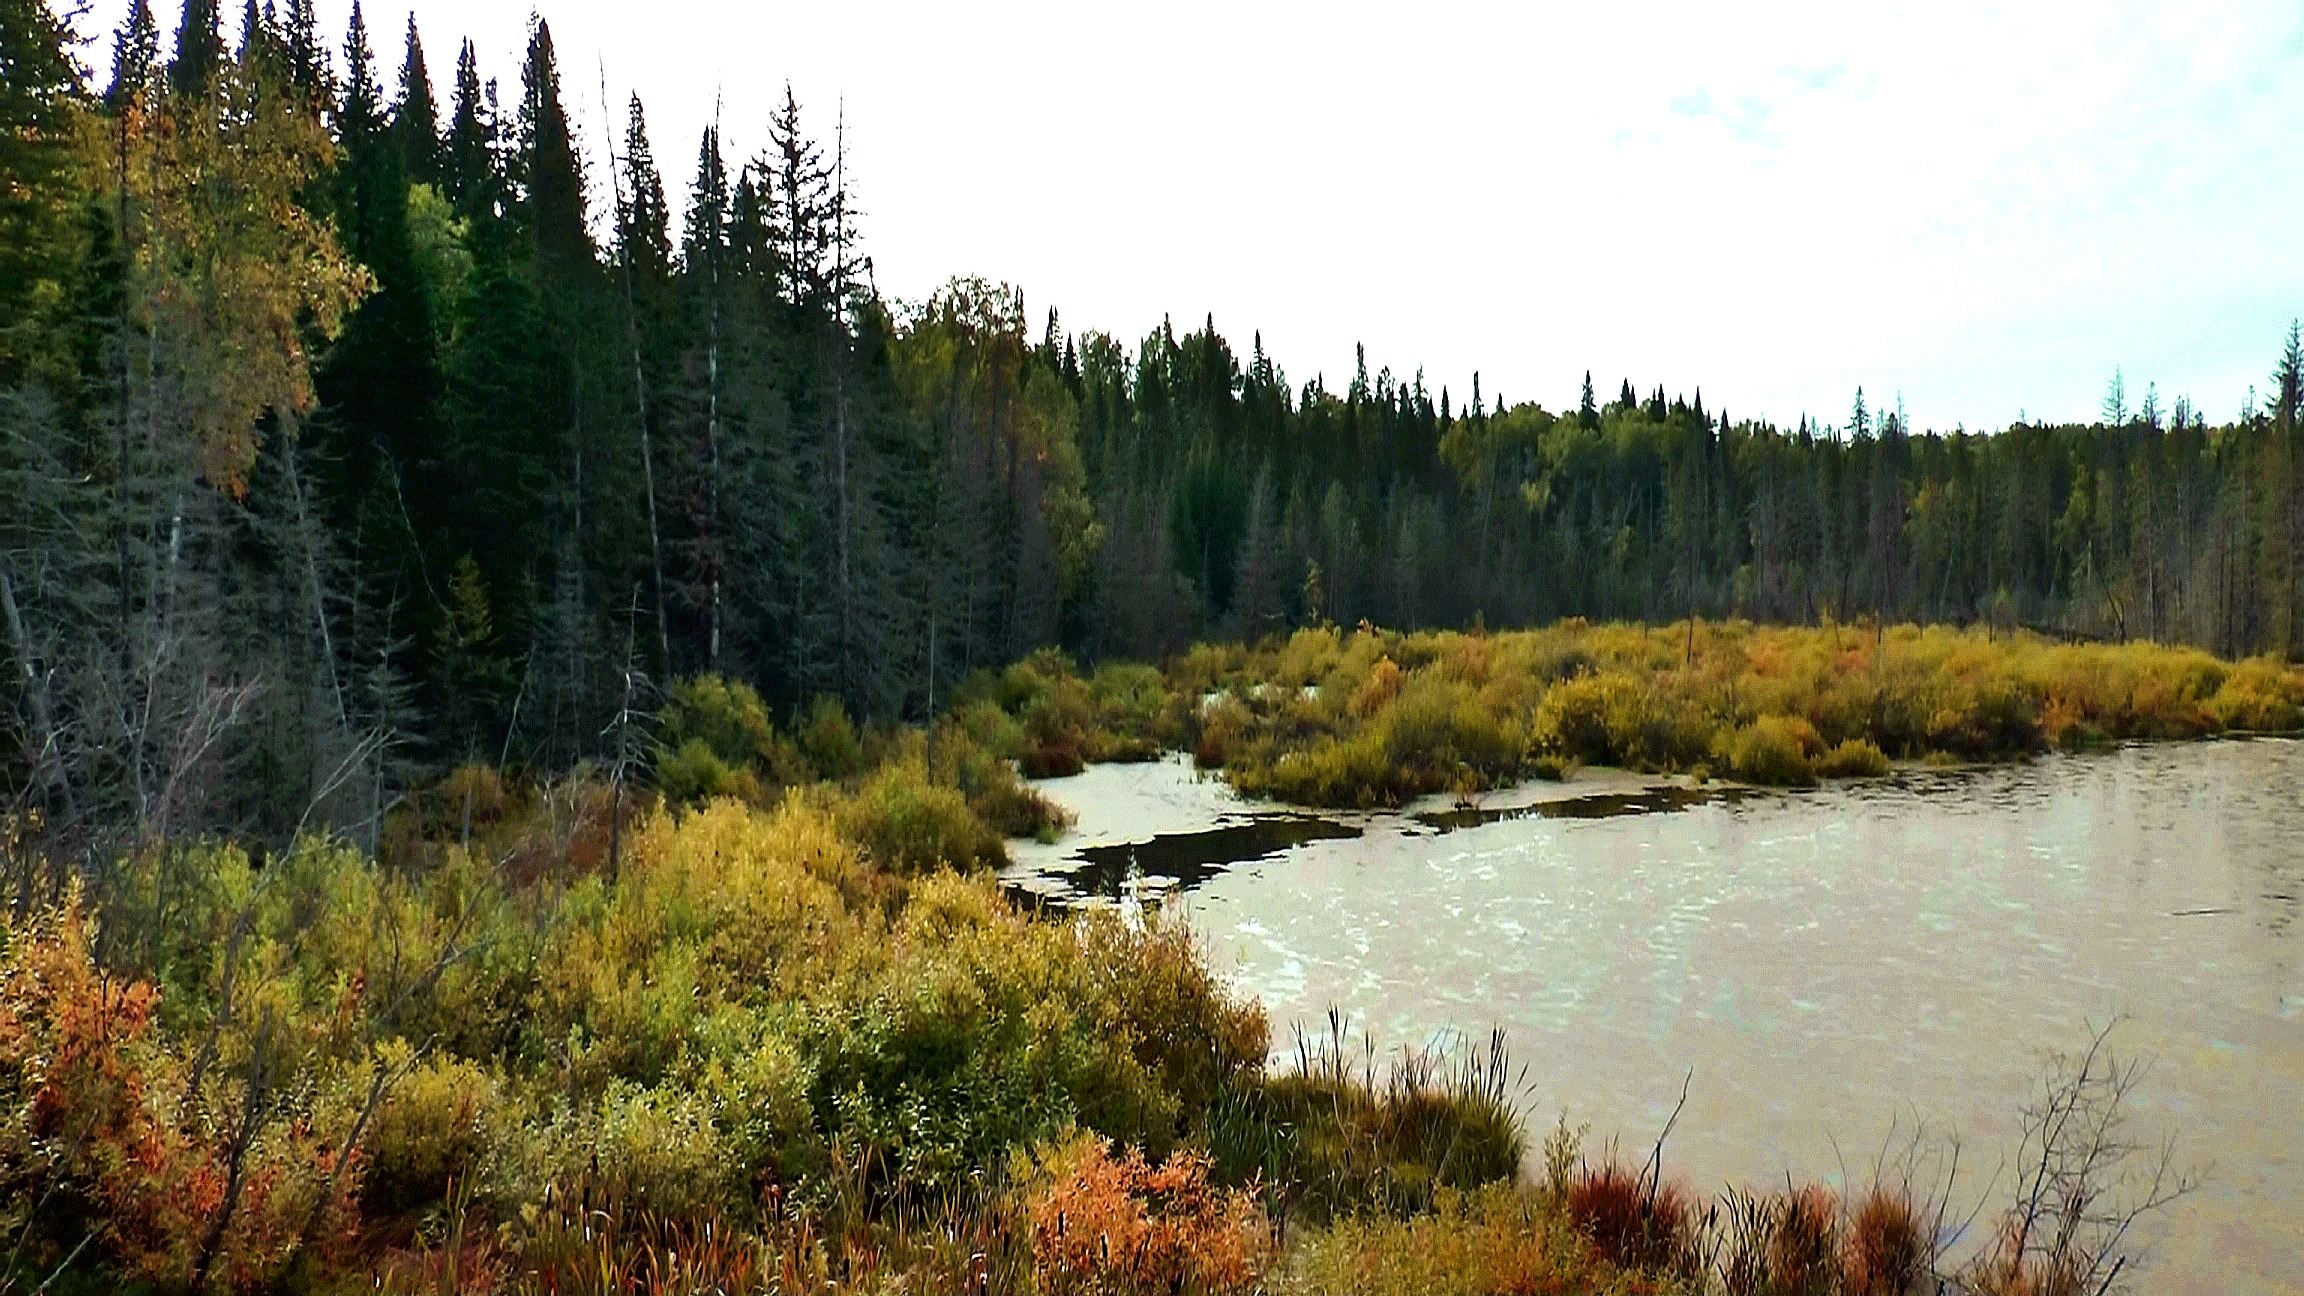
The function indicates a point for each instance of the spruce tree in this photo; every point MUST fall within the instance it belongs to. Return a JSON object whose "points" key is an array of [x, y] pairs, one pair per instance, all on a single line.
{"points": [[37, 220], [199, 49], [549, 173], [135, 53], [469, 168], [415, 118], [307, 59]]}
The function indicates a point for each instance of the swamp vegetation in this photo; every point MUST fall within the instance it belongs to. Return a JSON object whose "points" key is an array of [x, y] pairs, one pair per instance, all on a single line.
{"points": [[505, 733]]}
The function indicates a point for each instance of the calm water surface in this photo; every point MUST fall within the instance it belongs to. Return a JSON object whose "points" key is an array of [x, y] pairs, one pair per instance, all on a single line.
{"points": [[1825, 963]]}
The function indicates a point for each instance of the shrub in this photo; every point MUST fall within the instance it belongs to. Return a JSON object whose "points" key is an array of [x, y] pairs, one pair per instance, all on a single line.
{"points": [[104, 1123], [1885, 1249], [910, 825], [1777, 751], [1157, 997], [715, 739], [431, 1128], [1054, 757], [1224, 724], [694, 771], [1854, 758], [1119, 1226], [652, 1149], [828, 739], [1572, 720], [1378, 691], [1131, 703], [2259, 696]]}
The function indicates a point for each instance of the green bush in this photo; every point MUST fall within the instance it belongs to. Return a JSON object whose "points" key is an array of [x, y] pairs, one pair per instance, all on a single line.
{"points": [[1855, 758], [909, 825], [1778, 751], [715, 738], [432, 1128], [652, 1149], [827, 737]]}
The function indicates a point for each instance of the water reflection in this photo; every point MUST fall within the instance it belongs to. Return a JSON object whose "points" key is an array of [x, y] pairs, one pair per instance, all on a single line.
{"points": [[1186, 859], [1607, 805]]}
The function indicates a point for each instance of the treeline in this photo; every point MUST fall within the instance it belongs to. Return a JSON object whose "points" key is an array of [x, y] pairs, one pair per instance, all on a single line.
{"points": [[344, 442]]}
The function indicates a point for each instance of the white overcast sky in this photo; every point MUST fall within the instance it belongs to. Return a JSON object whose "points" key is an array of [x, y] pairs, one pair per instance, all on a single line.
{"points": [[1981, 208]]}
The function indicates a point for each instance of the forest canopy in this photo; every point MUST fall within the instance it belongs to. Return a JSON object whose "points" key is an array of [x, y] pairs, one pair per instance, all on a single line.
{"points": [[344, 441]]}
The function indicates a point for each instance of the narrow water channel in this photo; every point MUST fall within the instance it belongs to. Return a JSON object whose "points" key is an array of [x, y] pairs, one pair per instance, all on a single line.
{"points": [[1819, 967]]}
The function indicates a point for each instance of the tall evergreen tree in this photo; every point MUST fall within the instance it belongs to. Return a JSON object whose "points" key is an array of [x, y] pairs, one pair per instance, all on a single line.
{"points": [[549, 173], [199, 49], [469, 164], [135, 55], [415, 118]]}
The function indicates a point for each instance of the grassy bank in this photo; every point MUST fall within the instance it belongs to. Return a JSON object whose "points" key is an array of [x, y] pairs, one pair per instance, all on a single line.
{"points": [[538, 1047], [748, 1059], [1371, 718]]}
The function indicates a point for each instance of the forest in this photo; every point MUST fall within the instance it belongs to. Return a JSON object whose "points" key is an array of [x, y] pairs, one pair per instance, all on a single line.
{"points": [[346, 444], [498, 685]]}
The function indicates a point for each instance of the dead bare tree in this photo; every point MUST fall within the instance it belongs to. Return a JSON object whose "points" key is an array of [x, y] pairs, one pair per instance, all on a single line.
{"points": [[2084, 1180]]}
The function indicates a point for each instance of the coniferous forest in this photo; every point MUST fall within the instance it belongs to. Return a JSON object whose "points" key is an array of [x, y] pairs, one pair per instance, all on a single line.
{"points": [[345, 438], [513, 702]]}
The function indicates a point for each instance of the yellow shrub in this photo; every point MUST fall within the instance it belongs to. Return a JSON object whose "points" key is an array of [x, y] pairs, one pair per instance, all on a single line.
{"points": [[1855, 758], [2260, 696], [432, 1127]]}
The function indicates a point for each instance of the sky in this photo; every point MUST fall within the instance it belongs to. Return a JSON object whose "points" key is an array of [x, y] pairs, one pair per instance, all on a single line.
{"points": [[1979, 210]]}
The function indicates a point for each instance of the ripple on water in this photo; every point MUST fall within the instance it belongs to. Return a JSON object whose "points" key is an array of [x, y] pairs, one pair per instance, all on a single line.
{"points": [[1833, 961]]}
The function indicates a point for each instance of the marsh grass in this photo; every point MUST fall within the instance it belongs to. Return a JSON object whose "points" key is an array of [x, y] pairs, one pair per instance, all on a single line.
{"points": [[1371, 718], [1344, 1130]]}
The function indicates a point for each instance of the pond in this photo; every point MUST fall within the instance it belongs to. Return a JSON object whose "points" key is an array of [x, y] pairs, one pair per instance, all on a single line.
{"points": [[1821, 969]]}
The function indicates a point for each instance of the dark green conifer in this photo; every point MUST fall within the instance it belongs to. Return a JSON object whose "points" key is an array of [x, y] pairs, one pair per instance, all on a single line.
{"points": [[199, 49], [415, 118]]}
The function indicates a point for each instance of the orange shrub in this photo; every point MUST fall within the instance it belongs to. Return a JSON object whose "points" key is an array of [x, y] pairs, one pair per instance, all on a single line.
{"points": [[93, 1127], [1115, 1226]]}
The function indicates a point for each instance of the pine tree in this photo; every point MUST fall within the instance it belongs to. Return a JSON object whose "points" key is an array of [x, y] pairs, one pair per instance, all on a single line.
{"points": [[799, 205], [360, 113], [704, 258], [644, 256], [2115, 408], [37, 192], [307, 60]]}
